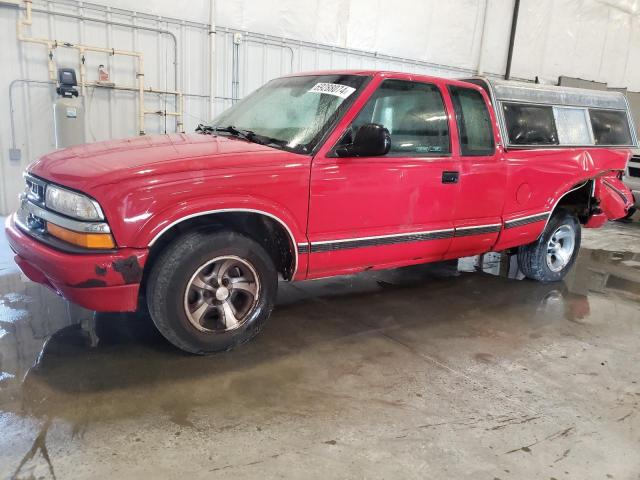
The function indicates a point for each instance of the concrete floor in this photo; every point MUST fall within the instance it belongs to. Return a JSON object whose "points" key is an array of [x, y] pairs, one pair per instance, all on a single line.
{"points": [[424, 372]]}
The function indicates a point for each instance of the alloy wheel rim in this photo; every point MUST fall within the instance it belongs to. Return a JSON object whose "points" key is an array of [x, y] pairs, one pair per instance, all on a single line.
{"points": [[222, 294], [560, 248]]}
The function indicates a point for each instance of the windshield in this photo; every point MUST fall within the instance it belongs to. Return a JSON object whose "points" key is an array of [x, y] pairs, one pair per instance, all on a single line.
{"points": [[293, 112]]}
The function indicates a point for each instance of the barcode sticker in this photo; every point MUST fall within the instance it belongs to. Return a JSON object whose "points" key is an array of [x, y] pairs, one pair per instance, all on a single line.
{"points": [[336, 89]]}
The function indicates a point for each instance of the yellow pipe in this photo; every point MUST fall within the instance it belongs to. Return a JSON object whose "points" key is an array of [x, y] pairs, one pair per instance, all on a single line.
{"points": [[82, 72], [132, 88], [27, 20], [162, 113], [140, 75], [50, 65]]}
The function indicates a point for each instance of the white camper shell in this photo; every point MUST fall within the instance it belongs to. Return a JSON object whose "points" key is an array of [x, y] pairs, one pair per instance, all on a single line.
{"points": [[546, 116]]}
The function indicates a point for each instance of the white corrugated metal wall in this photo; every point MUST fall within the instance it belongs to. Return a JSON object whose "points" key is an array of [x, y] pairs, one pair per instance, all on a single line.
{"points": [[27, 109], [441, 38], [25, 105]]}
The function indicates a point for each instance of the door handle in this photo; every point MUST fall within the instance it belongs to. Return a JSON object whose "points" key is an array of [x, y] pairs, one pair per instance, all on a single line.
{"points": [[449, 177]]}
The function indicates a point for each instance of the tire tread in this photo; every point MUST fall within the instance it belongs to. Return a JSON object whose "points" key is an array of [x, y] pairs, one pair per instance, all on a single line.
{"points": [[532, 257], [171, 259]]}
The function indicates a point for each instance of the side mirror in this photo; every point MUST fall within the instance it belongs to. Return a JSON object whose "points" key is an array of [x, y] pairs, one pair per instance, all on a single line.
{"points": [[370, 140]]}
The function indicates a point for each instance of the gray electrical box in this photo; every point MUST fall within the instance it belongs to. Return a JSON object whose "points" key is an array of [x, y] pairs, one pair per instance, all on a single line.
{"points": [[68, 122]]}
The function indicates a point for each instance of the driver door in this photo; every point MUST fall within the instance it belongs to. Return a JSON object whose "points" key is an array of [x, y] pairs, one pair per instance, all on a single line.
{"points": [[389, 210]]}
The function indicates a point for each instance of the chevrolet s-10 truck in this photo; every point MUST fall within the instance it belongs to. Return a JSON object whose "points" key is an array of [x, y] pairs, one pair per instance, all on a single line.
{"points": [[321, 174]]}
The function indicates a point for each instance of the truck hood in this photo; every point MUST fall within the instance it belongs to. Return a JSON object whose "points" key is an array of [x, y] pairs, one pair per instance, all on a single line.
{"points": [[86, 166]]}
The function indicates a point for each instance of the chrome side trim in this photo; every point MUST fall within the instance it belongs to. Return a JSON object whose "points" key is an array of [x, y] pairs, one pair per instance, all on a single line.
{"points": [[479, 226], [230, 210], [322, 242], [521, 221], [528, 216], [477, 230], [395, 238], [379, 240], [65, 222]]}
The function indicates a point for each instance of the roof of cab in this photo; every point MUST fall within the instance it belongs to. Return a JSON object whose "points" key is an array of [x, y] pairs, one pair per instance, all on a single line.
{"points": [[386, 73]]}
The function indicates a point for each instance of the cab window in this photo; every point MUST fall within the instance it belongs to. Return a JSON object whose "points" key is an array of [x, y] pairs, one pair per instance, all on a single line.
{"points": [[414, 114], [473, 120]]}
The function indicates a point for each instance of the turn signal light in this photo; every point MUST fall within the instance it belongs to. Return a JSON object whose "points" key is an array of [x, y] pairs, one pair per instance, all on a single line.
{"points": [[86, 240]]}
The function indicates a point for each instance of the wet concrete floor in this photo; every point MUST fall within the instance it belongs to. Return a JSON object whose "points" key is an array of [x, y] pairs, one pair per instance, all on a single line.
{"points": [[437, 371]]}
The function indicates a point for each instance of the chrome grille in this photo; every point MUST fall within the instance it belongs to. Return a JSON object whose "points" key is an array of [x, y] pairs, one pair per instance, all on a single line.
{"points": [[35, 190]]}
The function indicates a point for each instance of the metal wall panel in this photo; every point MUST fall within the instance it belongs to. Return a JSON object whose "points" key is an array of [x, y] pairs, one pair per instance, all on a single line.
{"points": [[175, 57]]}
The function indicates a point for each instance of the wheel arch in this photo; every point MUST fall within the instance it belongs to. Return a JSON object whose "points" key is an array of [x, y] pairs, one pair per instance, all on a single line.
{"points": [[578, 200], [267, 229]]}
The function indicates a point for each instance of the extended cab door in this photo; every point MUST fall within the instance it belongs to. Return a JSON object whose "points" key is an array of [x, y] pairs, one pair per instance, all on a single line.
{"points": [[483, 176], [396, 209]]}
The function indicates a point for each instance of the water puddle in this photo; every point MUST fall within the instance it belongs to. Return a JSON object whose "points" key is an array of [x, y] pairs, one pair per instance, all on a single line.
{"points": [[58, 361]]}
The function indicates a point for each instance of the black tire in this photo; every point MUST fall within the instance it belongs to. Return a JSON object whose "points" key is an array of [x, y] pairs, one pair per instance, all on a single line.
{"points": [[173, 271], [532, 258], [627, 218]]}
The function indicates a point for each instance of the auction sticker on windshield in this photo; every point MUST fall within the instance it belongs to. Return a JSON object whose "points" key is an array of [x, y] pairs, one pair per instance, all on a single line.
{"points": [[336, 89]]}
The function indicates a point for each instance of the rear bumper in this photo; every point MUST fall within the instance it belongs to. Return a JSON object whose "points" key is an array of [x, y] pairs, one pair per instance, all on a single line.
{"points": [[615, 197], [633, 184], [105, 282]]}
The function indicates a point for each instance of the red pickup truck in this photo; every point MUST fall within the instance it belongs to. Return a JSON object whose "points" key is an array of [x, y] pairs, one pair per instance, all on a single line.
{"points": [[315, 175]]}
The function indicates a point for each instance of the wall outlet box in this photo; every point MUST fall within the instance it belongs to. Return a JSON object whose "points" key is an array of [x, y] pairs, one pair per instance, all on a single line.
{"points": [[15, 154]]}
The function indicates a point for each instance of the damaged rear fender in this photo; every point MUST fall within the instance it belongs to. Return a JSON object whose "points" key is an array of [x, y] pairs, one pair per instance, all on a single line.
{"points": [[613, 196]]}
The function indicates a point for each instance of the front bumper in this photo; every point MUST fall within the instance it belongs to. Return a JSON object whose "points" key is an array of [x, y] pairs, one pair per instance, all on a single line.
{"points": [[104, 282]]}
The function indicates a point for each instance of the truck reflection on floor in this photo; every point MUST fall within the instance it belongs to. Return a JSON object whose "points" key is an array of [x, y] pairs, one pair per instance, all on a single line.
{"points": [[597, 271]]}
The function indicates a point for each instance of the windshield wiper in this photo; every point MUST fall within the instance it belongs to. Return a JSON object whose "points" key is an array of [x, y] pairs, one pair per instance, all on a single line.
{"points": [[248, 134], [204, 128], [241, 133]]}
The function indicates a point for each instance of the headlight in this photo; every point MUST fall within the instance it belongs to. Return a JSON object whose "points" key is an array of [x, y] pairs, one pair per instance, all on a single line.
{"points": [[72, 204]]}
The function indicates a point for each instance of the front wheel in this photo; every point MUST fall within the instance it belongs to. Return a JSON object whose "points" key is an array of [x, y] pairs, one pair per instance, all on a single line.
{"points": [[208, 292], [554, 253]]}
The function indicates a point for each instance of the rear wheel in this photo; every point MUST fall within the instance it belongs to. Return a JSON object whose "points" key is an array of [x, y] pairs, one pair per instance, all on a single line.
{"points": [[554, 253], [210, 292]]}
